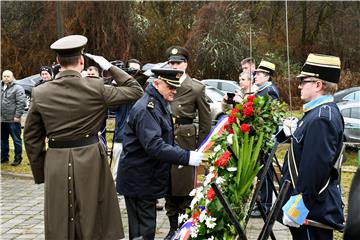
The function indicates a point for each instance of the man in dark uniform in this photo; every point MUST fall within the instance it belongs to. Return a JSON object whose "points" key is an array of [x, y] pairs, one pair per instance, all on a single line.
{"points": [[148, 152], [80, 196], [316, 145], [189, 102], [263, 81]]}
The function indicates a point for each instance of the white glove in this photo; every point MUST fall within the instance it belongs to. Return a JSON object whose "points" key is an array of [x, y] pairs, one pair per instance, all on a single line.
{"points": [[290, 125], [288, 222], [103, 63], [195, 158]]}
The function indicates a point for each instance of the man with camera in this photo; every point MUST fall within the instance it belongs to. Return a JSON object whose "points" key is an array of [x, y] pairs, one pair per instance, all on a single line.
{"points": [[80, 196]]}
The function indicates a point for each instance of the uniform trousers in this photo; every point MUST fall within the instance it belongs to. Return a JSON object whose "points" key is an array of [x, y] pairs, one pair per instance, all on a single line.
{"points": [[141, 217], [311, 233]]}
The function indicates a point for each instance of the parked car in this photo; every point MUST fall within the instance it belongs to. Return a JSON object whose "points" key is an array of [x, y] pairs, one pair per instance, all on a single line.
{"points": [[214, 97], [349, 94], [28, 83], [351, 114], [224, 85]]}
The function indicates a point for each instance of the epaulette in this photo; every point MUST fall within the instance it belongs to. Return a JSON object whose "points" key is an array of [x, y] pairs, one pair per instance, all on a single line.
{"points": [[151, 103], [325, 112], [197, 81]]}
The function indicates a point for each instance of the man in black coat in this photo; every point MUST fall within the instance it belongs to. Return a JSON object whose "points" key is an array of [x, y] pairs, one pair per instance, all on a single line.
{"points": [[148, 152]]}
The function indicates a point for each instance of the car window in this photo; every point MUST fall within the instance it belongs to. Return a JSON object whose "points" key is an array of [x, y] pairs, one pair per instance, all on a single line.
{"points": [[355, 113], [354, 96], [228, 87], [213, 84], [345, 112], [214, 95]]}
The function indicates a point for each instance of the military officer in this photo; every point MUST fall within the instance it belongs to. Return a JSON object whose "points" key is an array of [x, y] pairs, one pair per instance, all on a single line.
{"points": [[189, 101], [316, 145], [148, 152], [80, 196]]}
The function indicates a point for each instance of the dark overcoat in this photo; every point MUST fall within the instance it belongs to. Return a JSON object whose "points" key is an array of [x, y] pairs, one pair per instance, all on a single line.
{"points": [[149, 149], [190, 101], [80, 196]]}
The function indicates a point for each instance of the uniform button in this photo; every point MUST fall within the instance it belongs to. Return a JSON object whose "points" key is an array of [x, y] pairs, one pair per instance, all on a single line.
{"points": [[188, 134], [72, 219], [71, 205], [69, 191], [69, 164], [53, 139], [175, 137], [179, 105], [69, 178]]}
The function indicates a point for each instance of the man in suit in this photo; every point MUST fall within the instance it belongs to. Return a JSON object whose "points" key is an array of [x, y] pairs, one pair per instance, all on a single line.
{"points": [[189, 102], [80, 197]]}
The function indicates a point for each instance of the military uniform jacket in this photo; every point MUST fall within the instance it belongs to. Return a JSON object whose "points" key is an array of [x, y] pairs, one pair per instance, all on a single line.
{"points": [[80, 196], [317, 143], [190, 99], [270, 89], [148, 149]]}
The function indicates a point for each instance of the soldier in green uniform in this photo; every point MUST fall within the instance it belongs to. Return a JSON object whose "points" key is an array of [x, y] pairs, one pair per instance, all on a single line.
{"points": [[189, 102], [80, 196]]}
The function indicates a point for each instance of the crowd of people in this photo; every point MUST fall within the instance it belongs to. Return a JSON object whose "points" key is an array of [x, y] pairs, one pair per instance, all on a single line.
{"points": [[155, 142]]}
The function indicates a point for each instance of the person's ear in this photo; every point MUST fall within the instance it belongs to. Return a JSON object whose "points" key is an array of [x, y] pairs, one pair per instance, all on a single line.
{"points": [[57, 59], [81, 60]]}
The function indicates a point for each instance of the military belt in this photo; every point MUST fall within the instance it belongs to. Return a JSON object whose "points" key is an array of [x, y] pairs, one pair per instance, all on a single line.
{"points": [[53, 143], [183, 121]]}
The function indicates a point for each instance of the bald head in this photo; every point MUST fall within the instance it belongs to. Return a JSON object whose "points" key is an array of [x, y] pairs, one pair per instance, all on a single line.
{"points": [[7, 76]]}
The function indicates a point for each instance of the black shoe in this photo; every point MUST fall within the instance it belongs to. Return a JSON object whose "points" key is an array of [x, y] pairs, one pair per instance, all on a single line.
{"points": [[16, 162], [4, 160], [169, 235]]}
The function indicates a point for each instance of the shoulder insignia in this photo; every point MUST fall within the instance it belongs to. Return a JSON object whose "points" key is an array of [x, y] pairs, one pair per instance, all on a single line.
{"points": [[151, 103], [325, 112]]}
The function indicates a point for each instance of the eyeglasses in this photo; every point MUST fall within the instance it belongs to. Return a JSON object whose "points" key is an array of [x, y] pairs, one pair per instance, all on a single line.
{"points": [[302, 82]]}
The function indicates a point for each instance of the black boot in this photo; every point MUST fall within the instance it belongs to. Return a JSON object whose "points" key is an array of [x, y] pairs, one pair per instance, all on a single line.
{"points": [[17, 161], [4, 160], [173, 227]]}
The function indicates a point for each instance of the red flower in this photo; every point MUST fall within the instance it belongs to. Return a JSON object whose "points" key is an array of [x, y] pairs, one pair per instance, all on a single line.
{"points": [[234, 110], [231, 119], [222, 161], [210, 195], [250, 98], [245, 128], [231, 131], [248, 111]]}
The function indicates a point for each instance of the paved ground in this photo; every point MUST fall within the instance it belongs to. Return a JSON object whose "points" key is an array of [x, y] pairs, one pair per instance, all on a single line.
{"points": [[22, 213]]}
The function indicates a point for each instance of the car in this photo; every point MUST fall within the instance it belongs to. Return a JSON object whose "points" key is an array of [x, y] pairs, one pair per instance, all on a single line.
{"points": [[351, 113], [224, 85], [214, 97], [349, 94], [28, 83]]}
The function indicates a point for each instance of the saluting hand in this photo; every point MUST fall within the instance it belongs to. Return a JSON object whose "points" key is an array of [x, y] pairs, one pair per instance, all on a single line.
{"points": [[103, 63]]}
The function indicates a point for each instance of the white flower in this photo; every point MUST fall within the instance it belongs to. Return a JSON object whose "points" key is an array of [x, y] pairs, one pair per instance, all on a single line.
{"points": [[217, 148], [192, 193], [182, 218], [211, 238], [193, 202], [202, 216], [210, 222], [212, 169], [208, 178], [194, 231], [229, 139], [219, 180], [232, 169]]}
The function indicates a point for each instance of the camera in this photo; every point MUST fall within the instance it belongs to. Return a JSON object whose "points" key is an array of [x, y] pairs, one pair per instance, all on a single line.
{"points": [[230, 98]]}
